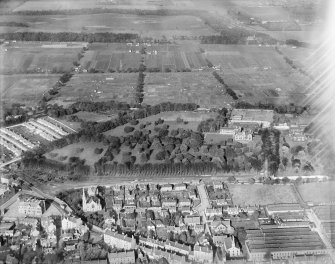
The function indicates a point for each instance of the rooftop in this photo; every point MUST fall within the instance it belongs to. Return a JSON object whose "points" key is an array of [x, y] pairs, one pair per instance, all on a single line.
{"points": [[253, 114]]}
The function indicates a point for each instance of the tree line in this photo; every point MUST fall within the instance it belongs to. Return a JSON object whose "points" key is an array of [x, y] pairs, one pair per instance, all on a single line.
{"points": [[105, 37], [280, 109], [228, 90]]}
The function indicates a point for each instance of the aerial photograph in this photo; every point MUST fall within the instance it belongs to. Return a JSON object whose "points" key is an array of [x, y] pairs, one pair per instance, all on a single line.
{"points": [[167, 131]]}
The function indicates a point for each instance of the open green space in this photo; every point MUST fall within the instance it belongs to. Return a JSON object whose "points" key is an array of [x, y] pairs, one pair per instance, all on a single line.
{"points": [[248, 194], [24, 88], [317, 192]]}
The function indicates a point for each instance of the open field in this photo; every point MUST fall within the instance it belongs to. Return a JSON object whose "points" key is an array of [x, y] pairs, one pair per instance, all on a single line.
{"points": [[81, 150], [317, 192], [148, 26], [247, 194], [189, 87], [258, 73], [93, 117], [98, 87], [25, 89], [37, 57]]}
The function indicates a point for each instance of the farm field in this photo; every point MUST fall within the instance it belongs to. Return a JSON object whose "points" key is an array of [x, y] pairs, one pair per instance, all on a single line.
{"points": [[317, 192], [171, 57], [98, 87], [257, 73], [37, 57], [188, 87], [115, 57], [81, 150], [111, 57], [25, 89], [148, 26], [247, 194]]}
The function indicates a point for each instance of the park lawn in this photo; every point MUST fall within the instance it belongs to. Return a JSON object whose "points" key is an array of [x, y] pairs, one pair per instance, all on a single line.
{"points": [[72, 151], [248, 194], [317, 192], [191, 121]]}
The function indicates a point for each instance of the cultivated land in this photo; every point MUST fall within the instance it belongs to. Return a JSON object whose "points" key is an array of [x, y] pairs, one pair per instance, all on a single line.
{"points": [[317, 192], [111, 57], [98, 87], [38, 57], [257, 73], [190, 87], [24, 88], [247, 194]]}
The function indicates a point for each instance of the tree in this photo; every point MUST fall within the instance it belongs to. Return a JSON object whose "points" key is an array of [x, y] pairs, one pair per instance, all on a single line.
{"points": [[251, 181], [286, 180], [231, 179], [128, 129]]}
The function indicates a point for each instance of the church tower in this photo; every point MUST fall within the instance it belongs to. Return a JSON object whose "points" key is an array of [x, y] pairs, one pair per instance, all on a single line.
{"points": [[84, 200]]}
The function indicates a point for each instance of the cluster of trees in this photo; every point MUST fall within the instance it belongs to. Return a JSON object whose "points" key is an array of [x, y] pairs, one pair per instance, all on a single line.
{"points": [[106, 37], [14, 114], [296, 43], [280, 109], [212, 125], [55, 89], [228, 90], [270, 149], [13, 24], [227, 36]]}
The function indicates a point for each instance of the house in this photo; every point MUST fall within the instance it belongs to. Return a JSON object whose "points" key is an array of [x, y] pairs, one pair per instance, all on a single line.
{"points": [[243, 136], [169, 203], [179, 187], [166, 188], [184, 202], [201, 254], [232, 247], [177, 247], [213, 212], [71, 223], [192, 220], [31, 206], [119, 241], [152, 243], [117, 206], [221, 227], [198, 228], [122, 257], [217, 185], [233, 210]]}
